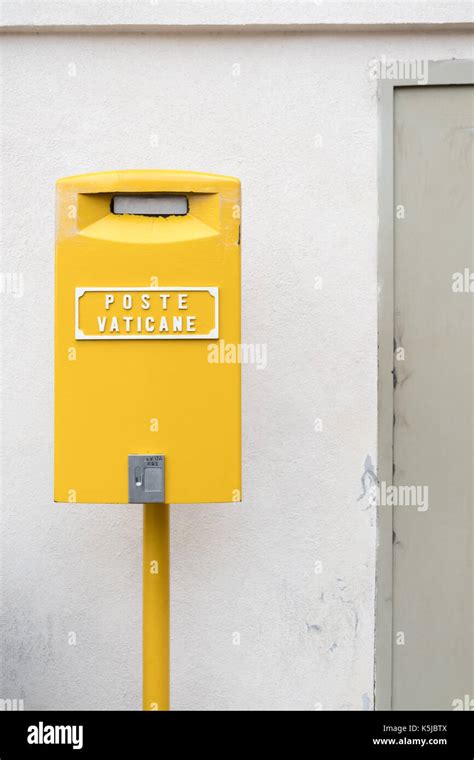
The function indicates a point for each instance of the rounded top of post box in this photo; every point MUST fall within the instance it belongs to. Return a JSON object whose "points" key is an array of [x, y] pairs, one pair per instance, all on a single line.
{"points": [[148, 180]]}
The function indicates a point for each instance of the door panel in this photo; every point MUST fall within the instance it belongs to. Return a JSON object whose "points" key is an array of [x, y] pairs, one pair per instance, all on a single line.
{"points": [[433, 395]]}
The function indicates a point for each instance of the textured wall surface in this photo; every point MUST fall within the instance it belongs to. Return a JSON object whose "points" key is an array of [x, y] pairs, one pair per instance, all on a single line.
{"points": [[273, 599]]}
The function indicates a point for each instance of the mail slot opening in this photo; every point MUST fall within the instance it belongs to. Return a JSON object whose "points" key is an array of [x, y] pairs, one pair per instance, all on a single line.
{"points": [[150, 205]]}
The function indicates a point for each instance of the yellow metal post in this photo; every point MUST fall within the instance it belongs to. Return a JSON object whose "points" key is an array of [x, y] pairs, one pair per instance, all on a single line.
{"points": [[147, 327], [156, 607]]}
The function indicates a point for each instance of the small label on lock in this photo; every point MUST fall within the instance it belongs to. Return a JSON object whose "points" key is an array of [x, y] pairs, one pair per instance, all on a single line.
{"points": [[146, 478]]}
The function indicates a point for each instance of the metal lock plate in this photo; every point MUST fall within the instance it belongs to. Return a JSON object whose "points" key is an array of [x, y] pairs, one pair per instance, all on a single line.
{"points": [[146, 478]]}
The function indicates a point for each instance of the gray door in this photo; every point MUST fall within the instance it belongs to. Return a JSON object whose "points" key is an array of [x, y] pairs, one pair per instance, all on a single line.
{"points": [[433, 398]]}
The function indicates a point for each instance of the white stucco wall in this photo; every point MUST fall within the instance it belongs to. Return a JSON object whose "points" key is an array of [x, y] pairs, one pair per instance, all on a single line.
{"points": [[294, 116]]}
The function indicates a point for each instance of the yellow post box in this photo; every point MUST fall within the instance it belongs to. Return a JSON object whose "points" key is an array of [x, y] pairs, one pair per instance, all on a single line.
{"points": [[147, 386], [147, 286]]}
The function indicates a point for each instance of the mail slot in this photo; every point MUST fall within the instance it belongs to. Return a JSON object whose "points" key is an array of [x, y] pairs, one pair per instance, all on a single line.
{"points": [[147, 284]]}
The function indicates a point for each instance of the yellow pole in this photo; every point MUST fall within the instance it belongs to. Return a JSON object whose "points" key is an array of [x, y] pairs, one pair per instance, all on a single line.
{"points": [[156, 607]]}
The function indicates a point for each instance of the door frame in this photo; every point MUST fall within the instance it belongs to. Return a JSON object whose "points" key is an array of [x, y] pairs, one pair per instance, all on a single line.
{"points": [[450, 72]]}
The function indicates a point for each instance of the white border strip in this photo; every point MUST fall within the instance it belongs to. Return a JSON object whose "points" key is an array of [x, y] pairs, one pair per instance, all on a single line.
{"points": [[212, 335], [266, 15]]}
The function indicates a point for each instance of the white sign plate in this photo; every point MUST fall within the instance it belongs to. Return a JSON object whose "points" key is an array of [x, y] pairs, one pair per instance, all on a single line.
{"points": [[177, 313]]}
